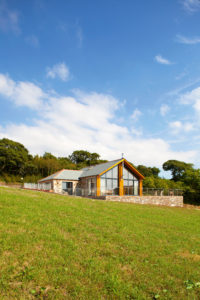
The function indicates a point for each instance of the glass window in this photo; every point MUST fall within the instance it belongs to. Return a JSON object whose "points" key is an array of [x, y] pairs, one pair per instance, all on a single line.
{"points": [[91, 186], [109, 181], [115, 184], [103, 185], [125, 173], [136, 185], [115, 172], [128, 175], [109, 174], [130, 183], [103, 182], [109, 184], [126, 182], [67, 187]]}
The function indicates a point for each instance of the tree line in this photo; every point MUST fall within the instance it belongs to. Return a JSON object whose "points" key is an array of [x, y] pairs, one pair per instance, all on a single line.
{"points": [[18, 165]]}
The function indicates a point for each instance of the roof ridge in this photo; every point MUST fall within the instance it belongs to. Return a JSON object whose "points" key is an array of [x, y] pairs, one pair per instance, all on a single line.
{"points": [[102, 163], [70, 170]]}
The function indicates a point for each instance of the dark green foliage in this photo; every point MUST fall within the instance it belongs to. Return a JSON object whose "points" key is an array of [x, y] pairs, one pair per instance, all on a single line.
{"points": [[148, 171], [48, 155], [13, 157], [82, 158], [162, 183], [191, 179], [177, 168], [17, 165]]}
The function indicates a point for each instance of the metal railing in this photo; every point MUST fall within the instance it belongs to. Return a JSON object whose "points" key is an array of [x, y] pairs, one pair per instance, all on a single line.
{"points": [[86, 192], [162, 192]]}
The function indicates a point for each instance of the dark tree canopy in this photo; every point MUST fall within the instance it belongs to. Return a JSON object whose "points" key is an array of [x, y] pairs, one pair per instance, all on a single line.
{"points": [[177, 168], [82, 156], [148, 171], [48, 155], [13, 157], [15, 160]]}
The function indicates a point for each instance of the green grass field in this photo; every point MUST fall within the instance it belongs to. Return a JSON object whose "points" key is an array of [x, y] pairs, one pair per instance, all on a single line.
{"points": [[57, 247]]}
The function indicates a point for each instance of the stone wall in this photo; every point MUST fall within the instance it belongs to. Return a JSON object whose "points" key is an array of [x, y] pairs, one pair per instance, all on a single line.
{"points": [[57, 185], [154, 200]]}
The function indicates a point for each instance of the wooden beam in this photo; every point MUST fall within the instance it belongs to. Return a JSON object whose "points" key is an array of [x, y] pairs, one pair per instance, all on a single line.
{"points": [[140, 187], [121, 181], [98, 193]]}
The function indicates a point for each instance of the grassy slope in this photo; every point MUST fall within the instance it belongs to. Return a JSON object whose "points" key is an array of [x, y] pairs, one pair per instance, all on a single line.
{"points": [[55, 247]]}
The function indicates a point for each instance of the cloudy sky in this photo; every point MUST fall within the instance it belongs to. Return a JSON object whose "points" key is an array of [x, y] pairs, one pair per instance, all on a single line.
{"points": [[104, 76]]}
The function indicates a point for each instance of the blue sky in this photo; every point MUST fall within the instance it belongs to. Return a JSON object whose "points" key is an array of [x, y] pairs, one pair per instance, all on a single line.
{"points": [[105, 76]]}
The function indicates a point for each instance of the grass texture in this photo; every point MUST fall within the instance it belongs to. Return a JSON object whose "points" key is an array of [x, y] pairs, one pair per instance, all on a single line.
{"points": [[61, 247]]}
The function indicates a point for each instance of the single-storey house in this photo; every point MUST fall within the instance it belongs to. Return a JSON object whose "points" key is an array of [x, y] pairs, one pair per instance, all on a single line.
{"points": [[117, 177]]}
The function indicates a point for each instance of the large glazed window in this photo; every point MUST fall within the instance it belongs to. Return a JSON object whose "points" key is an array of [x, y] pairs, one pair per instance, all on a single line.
{"points": [[67, 187], [91, 186], [131, 184], [109, 182]]}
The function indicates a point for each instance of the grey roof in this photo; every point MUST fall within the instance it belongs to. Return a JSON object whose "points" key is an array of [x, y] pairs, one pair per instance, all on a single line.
{"points": [[98, 169], [64, 174], [85, 172]]}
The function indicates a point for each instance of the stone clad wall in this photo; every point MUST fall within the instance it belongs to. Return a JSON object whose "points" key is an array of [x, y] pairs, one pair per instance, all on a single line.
{"points": [[57, 185], [154, 200]]}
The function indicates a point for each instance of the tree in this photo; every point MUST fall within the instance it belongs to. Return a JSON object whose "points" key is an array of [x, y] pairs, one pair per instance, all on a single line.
{"points": [[148, 171], [191, 179], [177, 168], [80, 156], [13, 157], [48, 155], [85, 158], [155, 171], [65, 163]]}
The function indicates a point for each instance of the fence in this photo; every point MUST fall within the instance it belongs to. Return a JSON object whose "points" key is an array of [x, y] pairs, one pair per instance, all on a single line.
{"points": [[38, 186], [128, 191], [162, 192]]}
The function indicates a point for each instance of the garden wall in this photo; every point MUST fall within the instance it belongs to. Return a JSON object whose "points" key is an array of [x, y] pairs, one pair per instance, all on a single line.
{"points": [[154, 200]]}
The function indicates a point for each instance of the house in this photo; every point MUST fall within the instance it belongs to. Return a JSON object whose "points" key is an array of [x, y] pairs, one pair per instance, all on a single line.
{"points": [[115, 180], [117, 177]]}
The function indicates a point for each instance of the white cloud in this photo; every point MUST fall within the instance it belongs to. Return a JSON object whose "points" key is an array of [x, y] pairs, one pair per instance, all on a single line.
{"points": [[192, 98], [136, 114], [83, 121], [188, 41], [137, 131], [191, 5], [161, 60], [33, 41], [178, 127], [164, 109], [59, 70], [21, 93], [9, 19]]}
